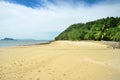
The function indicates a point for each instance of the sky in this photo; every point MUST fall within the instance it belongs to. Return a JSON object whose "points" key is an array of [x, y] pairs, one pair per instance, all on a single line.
{"points": [[45, 19]]}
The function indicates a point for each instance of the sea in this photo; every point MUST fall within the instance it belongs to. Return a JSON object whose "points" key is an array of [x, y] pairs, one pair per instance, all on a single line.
{"points": [[10, 43]]}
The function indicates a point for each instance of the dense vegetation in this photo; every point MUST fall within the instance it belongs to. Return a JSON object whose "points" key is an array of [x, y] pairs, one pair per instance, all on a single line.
{"points": [[103, 29]]}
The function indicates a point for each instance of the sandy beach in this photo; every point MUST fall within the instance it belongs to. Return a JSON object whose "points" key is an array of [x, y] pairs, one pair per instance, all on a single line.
{"points": [[60, 60]]}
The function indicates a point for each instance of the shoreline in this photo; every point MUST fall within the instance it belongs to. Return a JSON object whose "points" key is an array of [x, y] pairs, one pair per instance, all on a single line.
{"points": [[110, 44], [27, 44]]}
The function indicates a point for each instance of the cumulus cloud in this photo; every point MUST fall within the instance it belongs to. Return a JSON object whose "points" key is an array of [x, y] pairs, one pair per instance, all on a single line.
{"points": [[18, 21]]}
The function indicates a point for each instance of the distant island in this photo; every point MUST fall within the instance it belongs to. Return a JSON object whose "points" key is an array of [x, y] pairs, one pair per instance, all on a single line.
{"points": [[107, 29], [8, 39]]}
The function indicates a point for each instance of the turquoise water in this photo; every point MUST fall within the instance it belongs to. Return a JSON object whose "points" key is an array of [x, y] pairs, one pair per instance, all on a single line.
{"points": [[9, 43]]}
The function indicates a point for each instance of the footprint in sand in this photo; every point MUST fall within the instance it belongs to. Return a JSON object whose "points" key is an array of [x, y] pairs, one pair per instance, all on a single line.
{"points": [[38, 79], [64, 74], [39, 70], [50, 73]]}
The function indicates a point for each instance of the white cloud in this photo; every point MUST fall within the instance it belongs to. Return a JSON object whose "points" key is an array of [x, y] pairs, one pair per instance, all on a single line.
{"points": [[22, 22]]}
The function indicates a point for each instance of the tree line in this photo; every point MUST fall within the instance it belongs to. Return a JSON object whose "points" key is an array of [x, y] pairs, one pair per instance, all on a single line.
{"points": [[107, 29]]}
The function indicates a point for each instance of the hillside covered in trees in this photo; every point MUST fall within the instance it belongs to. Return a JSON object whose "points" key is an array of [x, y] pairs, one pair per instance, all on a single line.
{"points": [[107, 29]]}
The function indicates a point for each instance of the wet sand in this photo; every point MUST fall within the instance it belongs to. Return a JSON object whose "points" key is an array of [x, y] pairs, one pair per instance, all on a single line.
{"points": [[60, 60]]}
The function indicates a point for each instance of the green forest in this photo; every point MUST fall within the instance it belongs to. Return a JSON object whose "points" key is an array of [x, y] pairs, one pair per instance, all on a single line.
{"points": [[107, 29]]}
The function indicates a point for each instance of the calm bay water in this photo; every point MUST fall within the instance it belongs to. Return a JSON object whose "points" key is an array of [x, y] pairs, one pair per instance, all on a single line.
{"points": [[9, 43]]}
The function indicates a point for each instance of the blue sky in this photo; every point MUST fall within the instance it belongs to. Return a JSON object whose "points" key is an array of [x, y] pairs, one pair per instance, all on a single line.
{"points": [[28, 3], [45, 19], [41, 3]]}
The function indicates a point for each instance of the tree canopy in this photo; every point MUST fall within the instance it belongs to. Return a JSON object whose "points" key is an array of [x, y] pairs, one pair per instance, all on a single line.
{"points": [[107, 29]]}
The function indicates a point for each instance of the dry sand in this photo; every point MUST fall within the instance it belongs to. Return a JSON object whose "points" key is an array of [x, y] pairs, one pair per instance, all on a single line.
{"points": [[60, 60]]}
